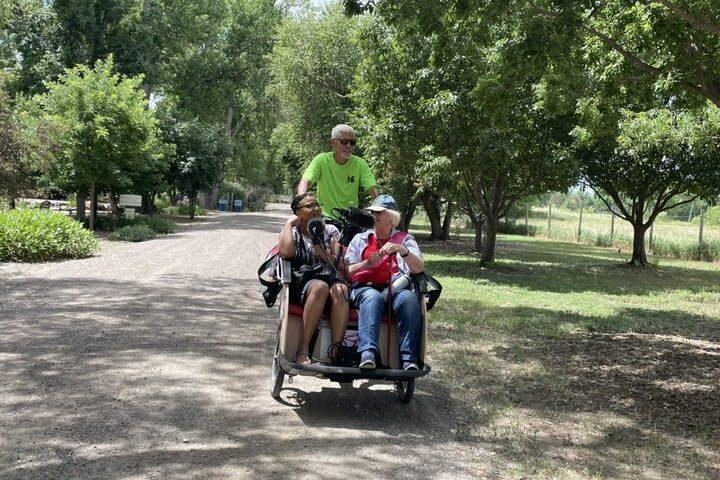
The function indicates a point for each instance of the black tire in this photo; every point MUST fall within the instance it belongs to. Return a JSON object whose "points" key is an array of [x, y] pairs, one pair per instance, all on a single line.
{"points": [[405, 390], [277, 376]]}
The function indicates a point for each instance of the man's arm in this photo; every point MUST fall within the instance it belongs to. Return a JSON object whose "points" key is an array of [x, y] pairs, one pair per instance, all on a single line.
{"points": [[303, 186]]}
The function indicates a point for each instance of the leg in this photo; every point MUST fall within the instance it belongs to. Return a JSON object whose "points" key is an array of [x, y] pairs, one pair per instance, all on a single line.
{"points": [[371, 310], [315, 298], [339, 312], [406, 308]]}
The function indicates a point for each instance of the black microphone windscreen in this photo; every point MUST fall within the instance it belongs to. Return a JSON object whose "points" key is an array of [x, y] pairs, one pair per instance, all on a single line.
{"points": [[361, 218], [316, 227]]}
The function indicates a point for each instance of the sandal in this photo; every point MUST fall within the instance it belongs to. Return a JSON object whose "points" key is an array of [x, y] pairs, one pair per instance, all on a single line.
{"points": [[307, 360]]}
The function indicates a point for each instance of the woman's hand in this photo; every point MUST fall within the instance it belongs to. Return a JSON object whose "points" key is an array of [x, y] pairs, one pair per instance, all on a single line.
{"points": [[293, 221], [390, 248]]}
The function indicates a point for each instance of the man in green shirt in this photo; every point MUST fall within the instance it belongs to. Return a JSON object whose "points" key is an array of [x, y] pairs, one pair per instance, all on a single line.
{"points": [[339, 174]]}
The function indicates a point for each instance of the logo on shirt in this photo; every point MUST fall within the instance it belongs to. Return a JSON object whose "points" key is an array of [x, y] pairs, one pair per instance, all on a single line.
{"points": [[351, 179]]}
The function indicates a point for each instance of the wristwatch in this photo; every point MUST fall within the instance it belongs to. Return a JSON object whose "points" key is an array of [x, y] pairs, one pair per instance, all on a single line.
{"points": [[407, 252]]}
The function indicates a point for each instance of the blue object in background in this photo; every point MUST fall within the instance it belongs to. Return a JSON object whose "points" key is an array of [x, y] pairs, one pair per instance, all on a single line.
{"points": [[238, 205], [222, 205]]}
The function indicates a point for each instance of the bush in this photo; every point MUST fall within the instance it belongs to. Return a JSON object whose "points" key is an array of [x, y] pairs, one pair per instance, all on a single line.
{"points": [[513, 228], [257, 198], [712, 216], [40, 235], [162, 226], [133, 233], [108, 223], [184, 210], [161, 203]]}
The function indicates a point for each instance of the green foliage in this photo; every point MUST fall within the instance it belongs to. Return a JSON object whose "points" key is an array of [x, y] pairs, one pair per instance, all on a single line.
{"points": [[183, 209], [14, 169], [162, 226], [35, 235], [313, 63], [257, 198], [712, 216], [515, 228], [104, 130], [133, 233]]}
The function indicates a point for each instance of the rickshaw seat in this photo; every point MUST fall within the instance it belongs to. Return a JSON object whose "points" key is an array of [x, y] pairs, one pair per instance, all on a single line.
{"points": [[297, 310]]}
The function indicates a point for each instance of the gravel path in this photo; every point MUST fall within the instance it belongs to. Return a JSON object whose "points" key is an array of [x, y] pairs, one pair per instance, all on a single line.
{"points": [[152, 360]]}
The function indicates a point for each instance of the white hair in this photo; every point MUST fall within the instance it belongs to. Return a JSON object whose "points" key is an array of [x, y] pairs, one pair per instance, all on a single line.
{"points": [[338, 130]]}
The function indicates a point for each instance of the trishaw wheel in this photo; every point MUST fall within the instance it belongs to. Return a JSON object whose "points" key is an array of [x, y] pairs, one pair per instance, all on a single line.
{"points": [[276, 380], [405, 390]]}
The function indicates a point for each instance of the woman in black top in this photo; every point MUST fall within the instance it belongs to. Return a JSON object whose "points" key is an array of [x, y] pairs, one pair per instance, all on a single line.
{"points": [[309, 290]]}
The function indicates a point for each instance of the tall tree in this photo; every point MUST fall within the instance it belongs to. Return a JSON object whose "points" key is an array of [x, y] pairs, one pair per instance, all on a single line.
{"points": [[14, 170], [105, 132], [313, 63]]}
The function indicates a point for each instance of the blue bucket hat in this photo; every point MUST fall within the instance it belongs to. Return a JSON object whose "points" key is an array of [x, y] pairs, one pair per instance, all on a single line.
{"points": [[388, 203]]}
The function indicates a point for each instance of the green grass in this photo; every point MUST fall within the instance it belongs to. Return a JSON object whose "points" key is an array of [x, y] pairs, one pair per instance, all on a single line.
{"points": [[576, 366]]}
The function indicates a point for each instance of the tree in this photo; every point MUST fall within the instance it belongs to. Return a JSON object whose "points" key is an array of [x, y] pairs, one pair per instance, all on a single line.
{"points": [[200, 151], [13, 168], [105, 132], [491, 86], [644, 163], [313, 63]]}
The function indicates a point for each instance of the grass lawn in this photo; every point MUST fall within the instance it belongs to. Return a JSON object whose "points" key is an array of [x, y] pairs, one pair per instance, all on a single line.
{"points": [[575, 366]]}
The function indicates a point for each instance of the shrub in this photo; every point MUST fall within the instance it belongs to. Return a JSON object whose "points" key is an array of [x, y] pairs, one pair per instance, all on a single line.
{"points": [[158, 225], [712, 216], [183, 209], [161, 203], [513, 228], [40, 235], [133, 233], [108, 223], [257, 198]]}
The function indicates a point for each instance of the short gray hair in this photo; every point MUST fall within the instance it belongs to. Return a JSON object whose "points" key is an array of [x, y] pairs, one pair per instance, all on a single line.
{"points": [[338, 130]]}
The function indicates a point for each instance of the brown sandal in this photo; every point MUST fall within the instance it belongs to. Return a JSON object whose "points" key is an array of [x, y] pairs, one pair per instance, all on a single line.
{"points": [[307, 361]]}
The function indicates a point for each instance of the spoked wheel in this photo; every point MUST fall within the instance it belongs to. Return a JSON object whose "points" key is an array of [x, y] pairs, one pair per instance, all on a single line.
{"points": [[277, 376], [405, 390]]}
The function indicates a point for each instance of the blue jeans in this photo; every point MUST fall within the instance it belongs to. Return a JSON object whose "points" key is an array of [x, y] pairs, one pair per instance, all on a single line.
{"points": [[406, 312]]}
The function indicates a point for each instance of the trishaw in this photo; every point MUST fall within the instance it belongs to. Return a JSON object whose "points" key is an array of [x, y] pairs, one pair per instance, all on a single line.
{"points": [[289, 331]]}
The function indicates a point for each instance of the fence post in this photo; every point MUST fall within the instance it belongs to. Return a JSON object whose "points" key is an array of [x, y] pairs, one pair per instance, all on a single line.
{"points": [[612, 226], [579, 236], [549, 216], [650, 240], [692, 206], [702, 226], [527, 217]]}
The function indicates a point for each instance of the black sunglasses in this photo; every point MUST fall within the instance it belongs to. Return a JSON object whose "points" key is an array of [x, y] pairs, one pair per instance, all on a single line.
{"points": [[345, 142], [311, 205]]}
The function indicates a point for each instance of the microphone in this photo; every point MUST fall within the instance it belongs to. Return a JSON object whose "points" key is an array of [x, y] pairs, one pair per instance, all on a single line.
{"points": [[360, 217], [316, 227]]}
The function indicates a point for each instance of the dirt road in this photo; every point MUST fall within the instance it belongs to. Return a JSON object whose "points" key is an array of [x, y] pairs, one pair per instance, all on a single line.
{"points": [[152, 360]]}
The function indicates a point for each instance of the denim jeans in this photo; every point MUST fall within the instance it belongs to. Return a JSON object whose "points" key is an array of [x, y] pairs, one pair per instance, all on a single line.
{"points": [[406, 312]]}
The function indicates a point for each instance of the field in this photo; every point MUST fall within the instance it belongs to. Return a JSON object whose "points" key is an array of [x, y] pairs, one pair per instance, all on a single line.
{"points": [[575, 366]]}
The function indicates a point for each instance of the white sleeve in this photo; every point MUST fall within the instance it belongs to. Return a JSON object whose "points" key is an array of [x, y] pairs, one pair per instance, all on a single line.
{"points": [[354, 251], [411, 244]]}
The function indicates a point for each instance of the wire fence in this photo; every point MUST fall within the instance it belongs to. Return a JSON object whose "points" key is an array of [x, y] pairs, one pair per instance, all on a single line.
{"points": [[672, 238]]}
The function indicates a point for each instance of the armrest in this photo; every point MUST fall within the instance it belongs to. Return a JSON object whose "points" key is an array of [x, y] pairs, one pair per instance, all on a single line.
{"points": [[284, 270]]}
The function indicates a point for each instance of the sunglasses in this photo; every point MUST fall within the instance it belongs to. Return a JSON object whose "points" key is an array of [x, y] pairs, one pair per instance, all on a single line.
{"points": [[346, 142], [311, 205]]}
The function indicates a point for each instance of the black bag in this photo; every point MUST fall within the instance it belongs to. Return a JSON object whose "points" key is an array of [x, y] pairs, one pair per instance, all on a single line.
{"points": [[428, 285], [319, 271], [268, 278]]}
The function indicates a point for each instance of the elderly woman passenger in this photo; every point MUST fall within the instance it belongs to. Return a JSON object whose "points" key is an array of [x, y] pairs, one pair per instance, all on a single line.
{"points": [[296, 245], [373, 257]]}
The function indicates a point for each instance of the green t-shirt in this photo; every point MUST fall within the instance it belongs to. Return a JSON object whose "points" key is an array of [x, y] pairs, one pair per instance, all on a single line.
{"points": [[338, 185]]}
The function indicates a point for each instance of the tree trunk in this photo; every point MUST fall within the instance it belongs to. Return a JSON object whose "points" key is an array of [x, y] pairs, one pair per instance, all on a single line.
{"points": [[432, 208], [80, 205], [445, 231], [488, 250], [148, 204], [173, 197], [193, 201], [114, 205], [407, 215], [639, 258], [11, 203], [479, 227], [93, 206]]}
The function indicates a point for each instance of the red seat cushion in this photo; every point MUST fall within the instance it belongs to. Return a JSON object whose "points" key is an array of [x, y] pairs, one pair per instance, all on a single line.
{"points": [[297, 310]]}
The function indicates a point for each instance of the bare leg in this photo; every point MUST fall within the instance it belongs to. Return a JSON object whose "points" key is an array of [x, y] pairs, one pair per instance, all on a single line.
{"points": [[315, 299], [339, 312]]}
